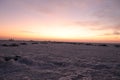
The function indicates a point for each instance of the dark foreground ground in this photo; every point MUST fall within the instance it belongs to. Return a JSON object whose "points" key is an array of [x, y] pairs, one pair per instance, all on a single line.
{"points": [[30, 60]]}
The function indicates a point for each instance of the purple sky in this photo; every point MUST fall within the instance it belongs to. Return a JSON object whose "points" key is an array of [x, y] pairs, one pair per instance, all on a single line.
{"points": [[72, 20]]}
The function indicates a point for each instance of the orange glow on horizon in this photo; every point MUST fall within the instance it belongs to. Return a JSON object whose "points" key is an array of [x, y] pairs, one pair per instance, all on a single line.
{"points": [[60, 20], [58, 36], [58, 32]]}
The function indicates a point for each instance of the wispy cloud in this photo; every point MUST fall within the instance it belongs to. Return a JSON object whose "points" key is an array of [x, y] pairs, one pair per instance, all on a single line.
{"points": [[92, 17], [108, 11], [87, 23], [116, 33]]}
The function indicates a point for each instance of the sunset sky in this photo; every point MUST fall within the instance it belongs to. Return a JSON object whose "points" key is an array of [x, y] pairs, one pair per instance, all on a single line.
{"points": [[60, 20]]}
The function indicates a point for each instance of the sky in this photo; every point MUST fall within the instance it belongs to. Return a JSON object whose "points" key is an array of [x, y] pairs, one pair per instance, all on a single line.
{"points": [[60, 20]]}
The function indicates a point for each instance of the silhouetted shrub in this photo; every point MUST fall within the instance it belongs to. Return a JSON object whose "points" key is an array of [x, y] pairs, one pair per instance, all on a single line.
{"points": [[13, 45], [5, 45], [73, 43], [103, 45], [44, 42], [23, 43], [79, 43], [89, 44], [117, 46], [10, 45], [8, 58], [16, 57], [34, 43]]}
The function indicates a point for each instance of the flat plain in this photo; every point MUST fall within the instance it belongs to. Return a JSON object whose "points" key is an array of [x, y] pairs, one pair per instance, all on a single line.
{"points": [[45, 60]]}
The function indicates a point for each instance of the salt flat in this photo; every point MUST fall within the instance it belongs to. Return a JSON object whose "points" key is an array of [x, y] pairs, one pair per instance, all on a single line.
{"points": [[30, 60]]}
